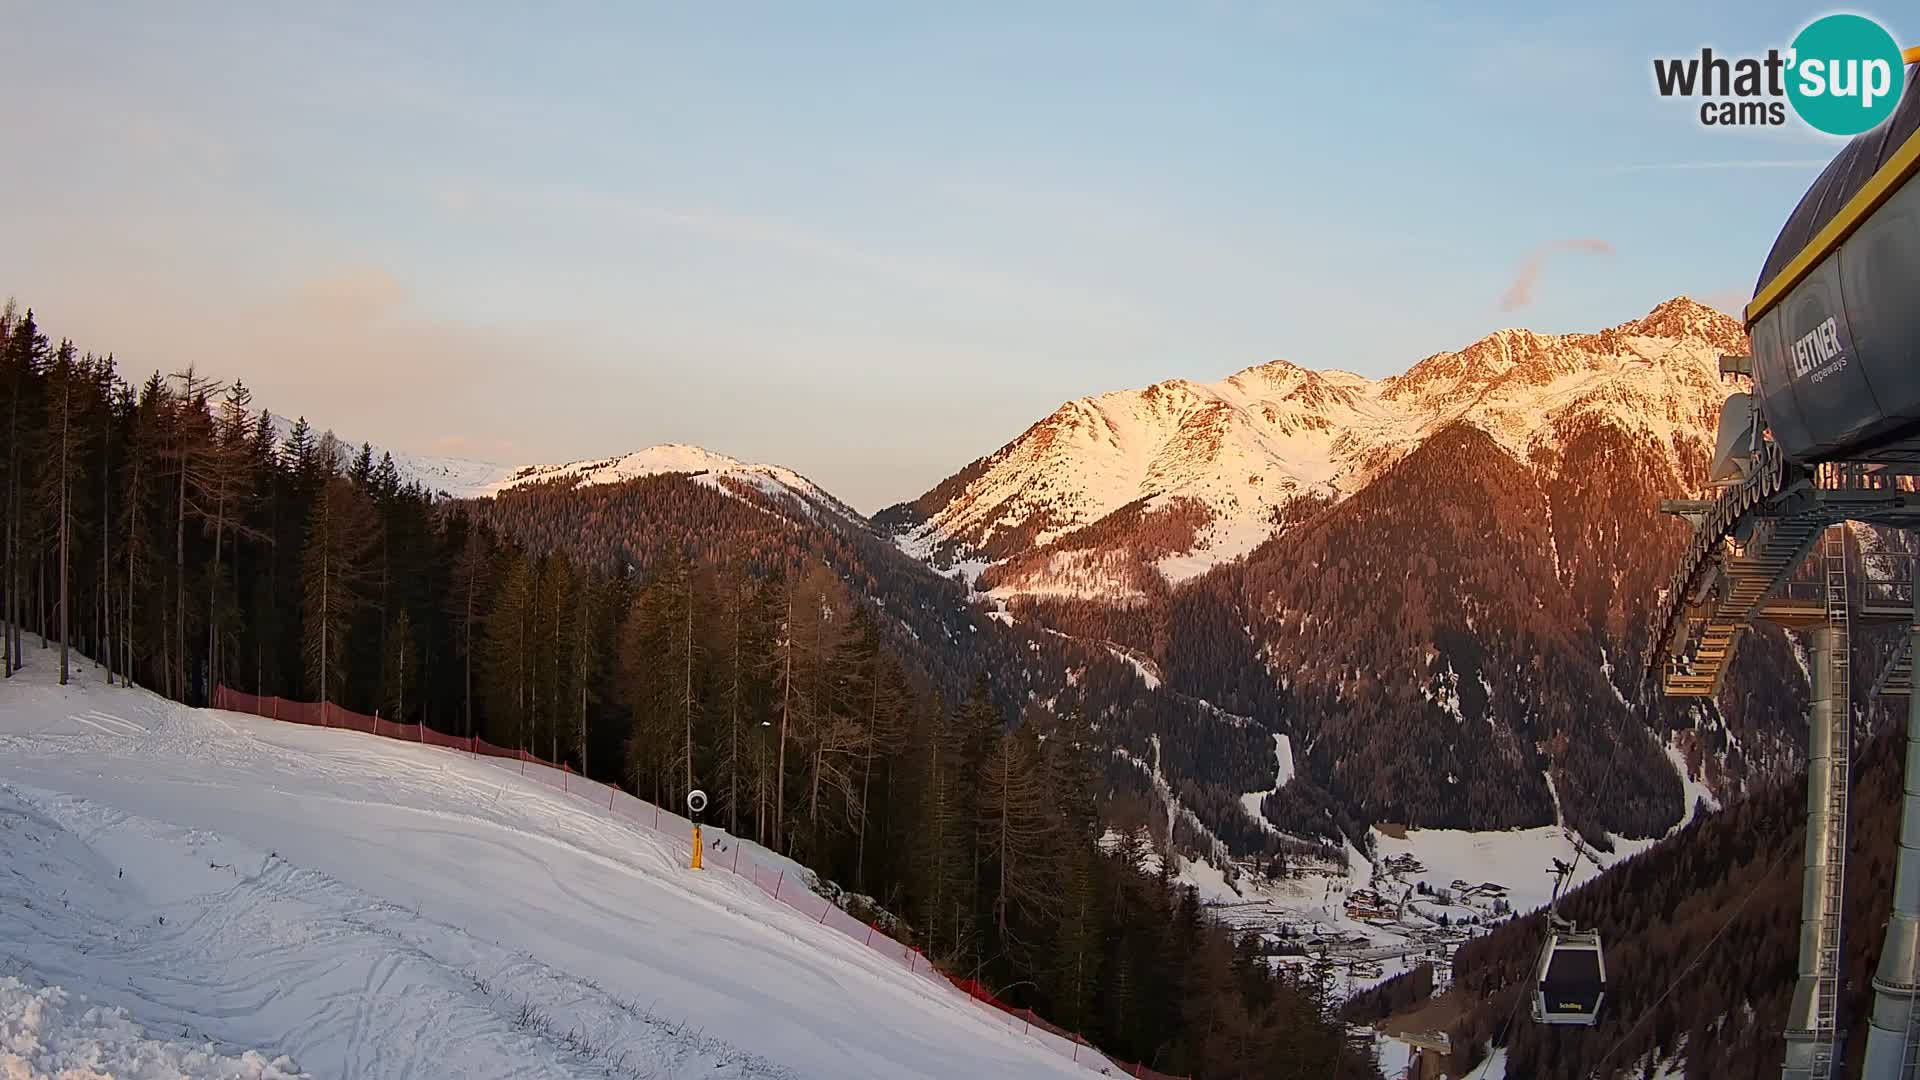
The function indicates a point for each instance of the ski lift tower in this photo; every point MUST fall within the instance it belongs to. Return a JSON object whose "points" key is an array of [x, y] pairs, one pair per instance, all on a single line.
{"points": [[1830, 434]]}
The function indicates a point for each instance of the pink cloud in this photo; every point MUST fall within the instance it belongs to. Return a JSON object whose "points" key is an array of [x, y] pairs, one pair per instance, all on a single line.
{"points": [[1520, 293]]}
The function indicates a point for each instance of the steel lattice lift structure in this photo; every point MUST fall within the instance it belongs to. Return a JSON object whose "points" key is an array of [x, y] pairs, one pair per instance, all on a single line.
{"points": [[1828, 435]]}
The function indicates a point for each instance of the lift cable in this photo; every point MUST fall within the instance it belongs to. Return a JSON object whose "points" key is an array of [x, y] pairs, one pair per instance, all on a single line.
{"points": [[1647, 1013]]}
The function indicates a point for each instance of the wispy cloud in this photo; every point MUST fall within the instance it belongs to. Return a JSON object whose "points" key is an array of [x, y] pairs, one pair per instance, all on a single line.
{"points": [[604, 209], [1697, 166], [1520, 293]]}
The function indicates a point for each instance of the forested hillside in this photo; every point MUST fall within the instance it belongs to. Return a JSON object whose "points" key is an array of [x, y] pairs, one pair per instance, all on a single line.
{"points": [[1701, 935], [941, 631], [161, 530], [1437, 584]]}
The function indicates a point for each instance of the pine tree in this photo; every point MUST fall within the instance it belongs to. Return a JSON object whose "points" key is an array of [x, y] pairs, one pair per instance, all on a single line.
{"points": [[193, 454], [400, 667], [62, 458], [340, 535], [107, 415], [149, 418], [226, 489], [26, 355], [466, 600], [553, 641], [661, 652], [507, 674]]}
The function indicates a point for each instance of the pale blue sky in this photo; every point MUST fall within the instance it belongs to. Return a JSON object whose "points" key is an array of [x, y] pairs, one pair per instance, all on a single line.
{"points": [[869, 241]]}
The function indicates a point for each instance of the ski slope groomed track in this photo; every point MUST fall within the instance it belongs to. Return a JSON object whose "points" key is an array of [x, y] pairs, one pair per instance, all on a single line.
{"points": [[186, 892]]}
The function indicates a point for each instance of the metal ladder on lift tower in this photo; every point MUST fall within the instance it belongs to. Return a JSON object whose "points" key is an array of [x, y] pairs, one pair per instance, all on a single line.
{"points": [[1834, 886], [1910, 1044]]}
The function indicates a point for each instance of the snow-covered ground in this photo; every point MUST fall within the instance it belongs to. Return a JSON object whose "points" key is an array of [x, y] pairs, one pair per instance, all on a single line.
{"points": [[46, 1032], [372, 909], [1283, 772]]}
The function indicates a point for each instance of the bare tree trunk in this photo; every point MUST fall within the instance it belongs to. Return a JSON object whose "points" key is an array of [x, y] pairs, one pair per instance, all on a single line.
{"points": [[1006, 852], [133, 533], [554, 687], [179, 673], [686, 693], [106, 539], [13, 591], [10, 628], [66, 529], [733, 718], [213, 584], [469, 624], [326, 575], [786, 712], [583, 624], [866, 781]]}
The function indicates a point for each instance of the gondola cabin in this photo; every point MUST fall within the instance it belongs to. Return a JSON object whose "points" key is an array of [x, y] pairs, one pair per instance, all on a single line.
{"points": [[1571, 980]]}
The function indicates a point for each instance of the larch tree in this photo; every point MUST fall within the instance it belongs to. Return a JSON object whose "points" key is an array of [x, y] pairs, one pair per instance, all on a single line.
{"points": [[744, 640], [885, 708], [1017, 828]]}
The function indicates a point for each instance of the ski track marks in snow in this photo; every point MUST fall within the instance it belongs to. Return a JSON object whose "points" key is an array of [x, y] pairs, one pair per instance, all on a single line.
{"points": [[381, 911]]}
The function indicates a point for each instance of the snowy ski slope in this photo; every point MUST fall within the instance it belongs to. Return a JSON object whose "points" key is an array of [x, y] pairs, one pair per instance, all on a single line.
{"points": [[372, 909]]}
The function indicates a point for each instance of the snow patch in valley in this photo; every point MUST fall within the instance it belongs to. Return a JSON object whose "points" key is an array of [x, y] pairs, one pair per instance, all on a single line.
{"points": [[1283, 764], [1692, 790], [1147, 675], [1516, 858]]}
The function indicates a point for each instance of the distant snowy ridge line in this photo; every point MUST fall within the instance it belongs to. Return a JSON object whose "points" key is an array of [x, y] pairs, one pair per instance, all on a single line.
{"points": [[467, 478], [723, 853]]}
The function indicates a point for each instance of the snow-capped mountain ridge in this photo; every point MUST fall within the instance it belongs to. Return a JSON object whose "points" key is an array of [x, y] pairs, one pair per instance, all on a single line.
{"points": [[679, 458], [465, 478], [1233, 454]]}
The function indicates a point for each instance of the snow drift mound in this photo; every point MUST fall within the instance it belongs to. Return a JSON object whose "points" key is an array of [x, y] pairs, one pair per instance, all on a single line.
{"points": [[47, 1032]]}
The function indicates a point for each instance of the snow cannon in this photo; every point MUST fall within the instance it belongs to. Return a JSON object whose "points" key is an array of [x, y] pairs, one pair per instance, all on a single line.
{"points": [[1835, 318], [696, 805]]}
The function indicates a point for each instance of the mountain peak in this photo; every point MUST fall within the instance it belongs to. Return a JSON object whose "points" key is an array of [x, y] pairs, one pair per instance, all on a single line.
{"points": [[706, 466], [1181, 476], [1686, 319]]}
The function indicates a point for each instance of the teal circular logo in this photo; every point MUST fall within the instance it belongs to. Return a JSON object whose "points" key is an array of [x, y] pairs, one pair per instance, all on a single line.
{"points": [[1845, 75]]}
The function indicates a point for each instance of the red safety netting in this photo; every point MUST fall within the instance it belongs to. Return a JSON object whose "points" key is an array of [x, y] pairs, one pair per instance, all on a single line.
{"points": [[723, 853]]}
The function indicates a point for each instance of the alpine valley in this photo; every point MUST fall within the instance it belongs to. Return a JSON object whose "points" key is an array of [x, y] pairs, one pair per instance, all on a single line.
{"points": [[1433, 585]]}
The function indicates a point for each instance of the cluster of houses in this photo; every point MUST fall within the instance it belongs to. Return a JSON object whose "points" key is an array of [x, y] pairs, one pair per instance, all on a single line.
{"points": [[1368, 906]]}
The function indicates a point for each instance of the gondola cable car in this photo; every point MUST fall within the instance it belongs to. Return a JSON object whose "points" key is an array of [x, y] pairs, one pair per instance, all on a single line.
{"points": [[1570, 980]]}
